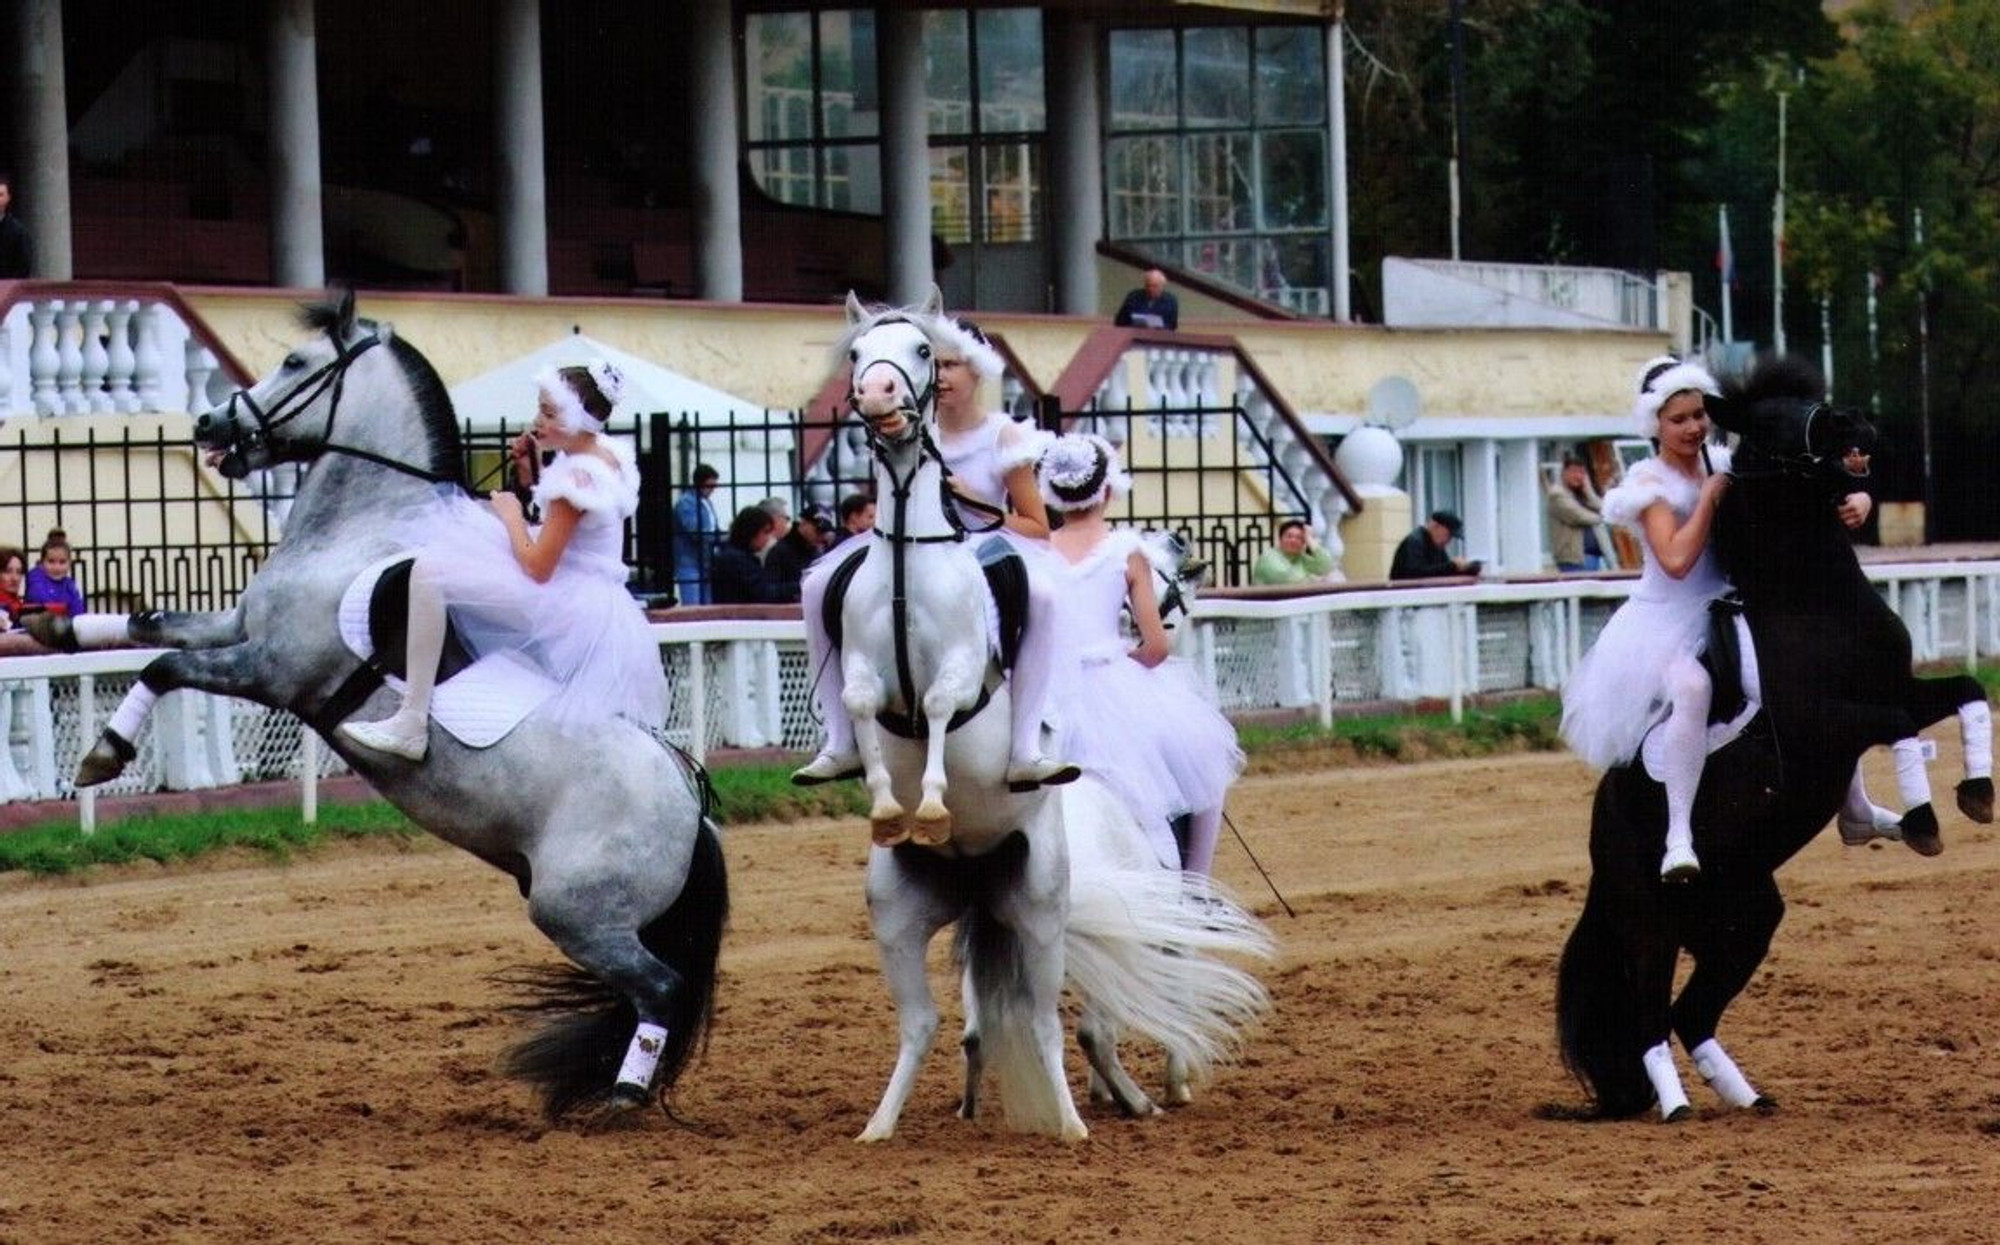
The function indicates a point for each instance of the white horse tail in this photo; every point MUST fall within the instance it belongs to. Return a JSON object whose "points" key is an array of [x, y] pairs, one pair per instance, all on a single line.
{"points": [[1002, 1007], [1145, 945]]}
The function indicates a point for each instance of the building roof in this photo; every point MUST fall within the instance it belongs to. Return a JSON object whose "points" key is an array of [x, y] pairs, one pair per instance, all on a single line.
{"points": [[507, 394]]}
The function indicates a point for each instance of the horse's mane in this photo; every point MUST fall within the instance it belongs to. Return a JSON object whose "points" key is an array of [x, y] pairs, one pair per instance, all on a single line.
{"points": [[879, 314], [1776, 376], [433, 400]]}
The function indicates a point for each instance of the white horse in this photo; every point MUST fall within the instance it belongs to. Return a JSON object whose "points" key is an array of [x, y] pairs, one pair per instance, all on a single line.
{"points": [[603, 829], [996, 862]]}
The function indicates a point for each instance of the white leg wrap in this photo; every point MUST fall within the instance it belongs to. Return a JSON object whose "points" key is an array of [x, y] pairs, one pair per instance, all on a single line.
{"points": [[1722, 1074], [642, 1057], [1913, 784], [101, 630], [130, 716], [1975, 728], [1659, 1061]]}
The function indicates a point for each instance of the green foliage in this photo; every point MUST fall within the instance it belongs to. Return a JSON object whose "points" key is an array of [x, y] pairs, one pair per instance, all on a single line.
{"points": [[60, 847]]}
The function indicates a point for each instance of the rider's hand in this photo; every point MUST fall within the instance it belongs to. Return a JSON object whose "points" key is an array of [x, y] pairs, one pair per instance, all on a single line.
{"points": [[1855, 508], [1713, 488], [507, 506], [525, 453]]}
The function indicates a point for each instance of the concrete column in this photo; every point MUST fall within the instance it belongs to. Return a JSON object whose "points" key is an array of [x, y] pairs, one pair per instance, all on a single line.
{"points": [[906, 156], [298, 249], [1479, 467], [522, 189], [41, 196], [1336, 161], [1523, 507], [1076, 161], [714, 143]]}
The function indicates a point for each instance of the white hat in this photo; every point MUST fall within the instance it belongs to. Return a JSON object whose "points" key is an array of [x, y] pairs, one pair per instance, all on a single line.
{"points": [[1078, 471], [1661, 379], [965, 338]]}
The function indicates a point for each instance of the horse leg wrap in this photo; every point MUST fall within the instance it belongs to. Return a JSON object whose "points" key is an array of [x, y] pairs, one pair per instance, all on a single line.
{"points": [[642, 1057], [1722, 1075], [1913, 785], [1659, 1061], [1975, 728], [101, 630], [129, 718]]}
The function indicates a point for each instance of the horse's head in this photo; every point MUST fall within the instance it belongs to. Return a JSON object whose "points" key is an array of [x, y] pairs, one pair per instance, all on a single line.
{"points": [[290, 414], [1786, 425], [891, 354]]}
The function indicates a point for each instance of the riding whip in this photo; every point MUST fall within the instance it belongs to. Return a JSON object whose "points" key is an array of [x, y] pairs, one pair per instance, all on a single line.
{"points": [[1260, 865]]}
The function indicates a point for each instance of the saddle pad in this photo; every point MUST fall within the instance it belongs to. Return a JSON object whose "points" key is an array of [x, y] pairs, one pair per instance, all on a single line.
{"points": [[479, 705]]}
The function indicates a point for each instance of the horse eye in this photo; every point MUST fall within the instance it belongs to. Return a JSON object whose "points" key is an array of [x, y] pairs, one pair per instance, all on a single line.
{"points": [[295, 361], [923, 352], [854, 355]]}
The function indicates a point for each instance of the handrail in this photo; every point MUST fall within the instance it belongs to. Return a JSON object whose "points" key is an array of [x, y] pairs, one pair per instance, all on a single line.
{"points": [[161, 292]]}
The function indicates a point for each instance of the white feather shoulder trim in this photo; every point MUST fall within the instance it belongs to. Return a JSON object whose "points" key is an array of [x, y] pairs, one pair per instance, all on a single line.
{"points": [[591, 484]]}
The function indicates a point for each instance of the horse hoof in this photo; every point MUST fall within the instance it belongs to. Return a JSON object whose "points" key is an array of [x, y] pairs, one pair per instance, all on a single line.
{"points": [[1679, 1115], [932, 827], [888, 831], [1975, 799], [105, 761], [1920, 831], [1765, 1105], [54, 631]]}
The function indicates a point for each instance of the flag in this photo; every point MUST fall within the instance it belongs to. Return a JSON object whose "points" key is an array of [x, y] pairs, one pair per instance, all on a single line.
{"points": [[1725, 255]]}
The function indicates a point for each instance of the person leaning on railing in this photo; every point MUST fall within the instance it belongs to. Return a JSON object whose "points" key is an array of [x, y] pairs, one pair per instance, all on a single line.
{"points": [[1296, 559]]}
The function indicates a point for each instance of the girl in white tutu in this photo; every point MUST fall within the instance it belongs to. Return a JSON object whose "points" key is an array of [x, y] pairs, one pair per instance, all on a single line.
{"points": [[1126, 714], [553, 596], [991, 457], [1645, 668]]}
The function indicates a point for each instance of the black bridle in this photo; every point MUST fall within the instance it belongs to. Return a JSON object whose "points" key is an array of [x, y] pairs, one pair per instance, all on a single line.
{"points": [[330, 376]]}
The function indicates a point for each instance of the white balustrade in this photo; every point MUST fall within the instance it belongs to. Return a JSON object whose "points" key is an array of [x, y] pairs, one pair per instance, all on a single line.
{"points": [[120, 361], [95, 359], [101, 356]]}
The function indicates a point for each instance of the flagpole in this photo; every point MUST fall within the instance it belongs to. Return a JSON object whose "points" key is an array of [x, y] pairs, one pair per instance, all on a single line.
{"points": [[1725, 261], [1826, 342], [1778, 239]]}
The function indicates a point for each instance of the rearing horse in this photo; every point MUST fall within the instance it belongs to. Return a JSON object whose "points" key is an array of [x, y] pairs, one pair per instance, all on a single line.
{"points": [[603, 829], [1834, 665]]}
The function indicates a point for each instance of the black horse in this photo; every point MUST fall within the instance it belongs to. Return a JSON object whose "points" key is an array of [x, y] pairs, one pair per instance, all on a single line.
{"points": [[1835, 676]]}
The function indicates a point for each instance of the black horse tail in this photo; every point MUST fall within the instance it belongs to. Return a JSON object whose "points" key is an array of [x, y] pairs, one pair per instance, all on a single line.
{"points": [[1597, 1005], [572, 1060]]}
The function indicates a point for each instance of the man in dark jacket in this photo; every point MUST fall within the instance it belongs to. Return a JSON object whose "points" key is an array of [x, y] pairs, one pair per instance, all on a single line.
{"points": [[1151, 307], [16, 255], [1422, 554], [786, 561]]}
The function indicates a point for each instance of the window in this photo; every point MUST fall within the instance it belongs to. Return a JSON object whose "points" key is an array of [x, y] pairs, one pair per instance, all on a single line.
{"points": [[1215, 154], [813, 114]]}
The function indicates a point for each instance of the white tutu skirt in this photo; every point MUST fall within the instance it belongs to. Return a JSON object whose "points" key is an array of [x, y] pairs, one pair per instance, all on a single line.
{"points": [[1150, 735], [1617, 692], [581, 628]]}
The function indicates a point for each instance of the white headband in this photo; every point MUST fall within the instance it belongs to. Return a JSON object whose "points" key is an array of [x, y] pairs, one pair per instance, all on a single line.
{"points": [[971, 345], [1675, 376], [570, 412]]}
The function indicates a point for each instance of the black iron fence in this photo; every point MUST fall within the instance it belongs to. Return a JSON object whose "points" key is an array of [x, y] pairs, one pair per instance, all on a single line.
{"points": [[150, 531]]}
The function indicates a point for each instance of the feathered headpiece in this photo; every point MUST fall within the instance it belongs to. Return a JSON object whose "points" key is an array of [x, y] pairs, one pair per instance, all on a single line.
{"points": [[1079, 471], [1661, 379], [570, 411], [965, 338]]}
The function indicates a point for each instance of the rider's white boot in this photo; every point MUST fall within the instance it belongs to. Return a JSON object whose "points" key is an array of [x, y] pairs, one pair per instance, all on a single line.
{"points": [[830, 765], [403, 733], [1862, 820]]}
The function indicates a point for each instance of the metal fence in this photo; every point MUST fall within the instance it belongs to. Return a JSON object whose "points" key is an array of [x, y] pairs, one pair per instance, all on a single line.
{"points": [[148, 532]]}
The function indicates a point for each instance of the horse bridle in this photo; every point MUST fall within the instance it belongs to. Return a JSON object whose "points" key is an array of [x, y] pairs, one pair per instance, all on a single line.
{"points": [[300, 397]]}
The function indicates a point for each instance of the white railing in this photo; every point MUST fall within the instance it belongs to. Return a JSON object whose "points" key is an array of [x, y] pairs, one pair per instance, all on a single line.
{"points": [[744, 684], [101, 356]]}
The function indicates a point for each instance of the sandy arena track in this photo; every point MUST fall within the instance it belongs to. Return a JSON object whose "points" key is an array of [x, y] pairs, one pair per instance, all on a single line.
{"points": [[244, 1052]]}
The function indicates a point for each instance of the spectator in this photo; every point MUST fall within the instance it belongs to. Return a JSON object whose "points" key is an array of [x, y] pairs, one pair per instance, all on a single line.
{"points": [[1422, 554], [1296, 559], [1575, 511], [17, 255], [50, 584], [857, 515], [13, 579], [780, 511], [786, 561], [1150, 307], [739, 577], [695, 531]]}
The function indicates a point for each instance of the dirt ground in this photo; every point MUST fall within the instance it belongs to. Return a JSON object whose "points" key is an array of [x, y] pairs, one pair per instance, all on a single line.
{"points": [[245, 1052]]}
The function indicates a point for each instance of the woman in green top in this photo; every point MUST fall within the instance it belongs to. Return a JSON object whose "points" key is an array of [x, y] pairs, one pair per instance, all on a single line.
{"points": [[1295, 559]]}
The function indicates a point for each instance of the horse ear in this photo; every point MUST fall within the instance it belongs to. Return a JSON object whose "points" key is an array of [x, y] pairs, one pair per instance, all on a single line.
{"points": [[856, 313], [934, 302], [343, 327]]}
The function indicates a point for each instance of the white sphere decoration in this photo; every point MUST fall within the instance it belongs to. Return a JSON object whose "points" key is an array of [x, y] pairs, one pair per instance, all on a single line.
{"points": [[1371, 458]]}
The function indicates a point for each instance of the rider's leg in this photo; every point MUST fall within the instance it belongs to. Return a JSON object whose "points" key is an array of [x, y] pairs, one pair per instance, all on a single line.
{"points": [[1861, 819], [1684, 739], [406, 732], [837, 757], [1034, 670], [1204, 829]]}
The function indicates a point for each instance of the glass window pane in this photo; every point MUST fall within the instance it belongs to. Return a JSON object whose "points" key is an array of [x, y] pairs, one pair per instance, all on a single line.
{"points": [[1219, 183], [853, 178], [1142, 187], [947, 72], [1232, 261], [784, 173], [1291, 77], [849, 107], [951, 194], [777, 69], [1294, 179], [1217, 74], [1145, 83], [1013, 191], [1010, 71]]}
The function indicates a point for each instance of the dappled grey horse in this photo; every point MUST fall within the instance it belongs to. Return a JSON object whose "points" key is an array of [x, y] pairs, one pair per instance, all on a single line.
{"points": [[604, 829]]}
